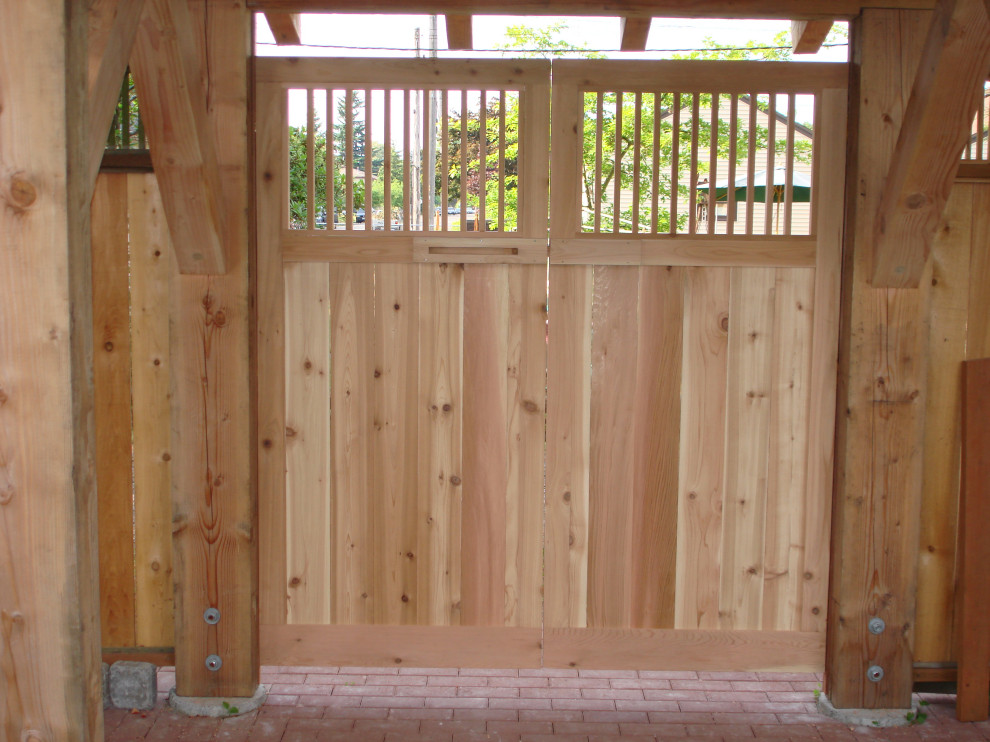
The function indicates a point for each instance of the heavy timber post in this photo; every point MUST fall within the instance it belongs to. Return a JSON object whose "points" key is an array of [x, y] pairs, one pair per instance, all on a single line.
{"points": [[49, 615], [213, 482], [881, 399]]}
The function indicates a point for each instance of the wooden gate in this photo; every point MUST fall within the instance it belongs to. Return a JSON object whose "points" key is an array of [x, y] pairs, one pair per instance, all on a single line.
{"points": [[490, 438]]}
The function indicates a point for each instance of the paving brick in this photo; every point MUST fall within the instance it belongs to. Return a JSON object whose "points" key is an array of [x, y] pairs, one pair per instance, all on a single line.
{"points": [[803, 731], [385, 726], [363, 712], [369, 670], [779, 708], [668, 675], [396, 680], [421, 713], [489, 692], [448, 726], [505, 728], [517, 682], [431, 671], [549, 693], [607, 673], [457, 680], [309, 669], [640, 684], [588, 682], [548, 672], [427, 691], [749, 696], [329, 701], [680, 717], [394, 702], [675, 695], [529, 704], [789, 676], [660, 730], [725, 730], [551, 715], [488, 672], [646, 706], [704, 675], [702, 685], [620, 738], [363, 690], [744, 718], [612, 694], [488, 714], [582, 704], [616, 716], [761, 685], [554, 738], [712, 706], [457, 703], [791, 696], [584, 727]]}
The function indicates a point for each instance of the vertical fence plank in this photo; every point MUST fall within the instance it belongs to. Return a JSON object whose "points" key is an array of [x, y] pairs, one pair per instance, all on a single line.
{"points": [[614, 348], [151, 266], [657, 446], [485, 470], [568, 442], [973, 633], [703, 395], [394, 447], [112, 382], [307, 448], [440, 413]]}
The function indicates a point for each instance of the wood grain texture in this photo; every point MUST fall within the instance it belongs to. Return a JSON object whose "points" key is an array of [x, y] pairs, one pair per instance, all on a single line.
{"points": [[112, 396], [459, 31], [656, 447], [352, 312], [568, 443], [701, 476], [214, 497], [633, 33], [978, 326], [882, 355], [747, 440], [395, 449], [684, 649], [974, 550], [781, 252], [49, 602], [614, 348], [271, 200], [401, 646], [949, 306], [285, 27], [807, 37], [151, 267], [440, 426], [307, 450]]}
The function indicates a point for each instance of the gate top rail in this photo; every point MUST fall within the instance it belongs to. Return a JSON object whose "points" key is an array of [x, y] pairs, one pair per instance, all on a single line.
{"points": [[689, 76], [435, 74]]}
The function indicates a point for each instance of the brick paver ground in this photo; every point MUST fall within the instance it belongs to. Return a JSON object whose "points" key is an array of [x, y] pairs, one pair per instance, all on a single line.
{"points": [[369, 704]]}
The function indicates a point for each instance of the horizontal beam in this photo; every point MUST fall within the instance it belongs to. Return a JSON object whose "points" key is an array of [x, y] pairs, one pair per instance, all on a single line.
{"points": [[935, 128], [285, 28], [807, 37], [183, 150], [459, 32], [634, 32], [779, 9]]}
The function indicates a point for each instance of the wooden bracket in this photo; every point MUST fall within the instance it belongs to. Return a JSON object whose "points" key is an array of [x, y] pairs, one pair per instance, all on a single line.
{"points": [[635, 31], [285, 28], [459, 31], [807, 37]]}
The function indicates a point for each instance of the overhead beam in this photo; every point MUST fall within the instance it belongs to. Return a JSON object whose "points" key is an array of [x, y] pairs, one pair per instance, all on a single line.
{"points": [[183, 150], [769, 9], [112, 27], [936, 126], [634, 31], [286, 28], [807, 37], [459, 31]]}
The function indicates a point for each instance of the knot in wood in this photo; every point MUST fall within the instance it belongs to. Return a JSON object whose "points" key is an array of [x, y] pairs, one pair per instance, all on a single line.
{"points": [[723, 322], [22, 193], [219, 319], [166, 456], [405, 598], [294, 582], [455, 480], [567, 497], [916, 200], [447, 407], [108, 346], [3, 397], [531, 406]]}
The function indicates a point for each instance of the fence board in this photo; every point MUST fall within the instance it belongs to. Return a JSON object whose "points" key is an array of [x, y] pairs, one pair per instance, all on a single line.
{"points": [[151, 266], [307, 449], [112, 408]]}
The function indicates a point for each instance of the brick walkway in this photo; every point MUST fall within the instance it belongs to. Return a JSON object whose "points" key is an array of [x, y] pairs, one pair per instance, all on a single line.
{"points": [[448, 705]]}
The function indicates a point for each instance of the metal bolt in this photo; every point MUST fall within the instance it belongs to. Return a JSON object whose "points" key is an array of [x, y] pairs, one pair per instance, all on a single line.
{"points": [[876, 625], [211, 616], [874, 674], [214, 663]]}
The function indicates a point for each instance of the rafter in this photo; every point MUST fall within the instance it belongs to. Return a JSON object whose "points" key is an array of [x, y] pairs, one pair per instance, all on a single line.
{"points": [[936, 125], [634, 31], [112, 26], [459, 31], [807, 37], [792, 10], [286, 28], [173, 108]]}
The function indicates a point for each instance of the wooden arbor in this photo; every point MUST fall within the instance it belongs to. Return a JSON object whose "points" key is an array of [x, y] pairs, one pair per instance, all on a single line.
{"points": [[47, 525]]}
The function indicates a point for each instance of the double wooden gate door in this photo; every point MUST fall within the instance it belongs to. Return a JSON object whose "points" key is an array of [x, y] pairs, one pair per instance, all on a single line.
{"points": [[487, 437]]}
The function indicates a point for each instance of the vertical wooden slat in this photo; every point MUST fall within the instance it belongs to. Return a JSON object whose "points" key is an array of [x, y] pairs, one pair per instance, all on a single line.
{"points": [[395, 466], [349, 159], [440, 426], [713, 164], [310, 160], [425, 188], [407, 160], [526, 374], [568, 443], [751, 162], [307, 449], [368, 156], [829, 185], [352, 312], [657, 446], [770, 190], [151, 264], [747, 432], [567, 195], [637, 146], [482, 163], [655, 172], [703, 395], [387, 163], [675, 158], [485, 455], [789, 164], [617, 166], [501, 161], [463, 178], [599, 154], [973, 636], [693, 193], [331, 163], [614, 348], [112, 383], [730, 206], [444, 160], [272, 155], [534, 160], [787, 505]]}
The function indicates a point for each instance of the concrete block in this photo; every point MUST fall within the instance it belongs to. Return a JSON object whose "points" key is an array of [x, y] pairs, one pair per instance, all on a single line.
{"points": [[106, 685], [133, 685]]}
